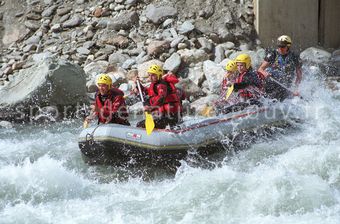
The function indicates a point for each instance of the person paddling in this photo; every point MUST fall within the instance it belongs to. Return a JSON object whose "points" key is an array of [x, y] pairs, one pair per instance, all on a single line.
{"points": [[164, 102], [281, 66]]}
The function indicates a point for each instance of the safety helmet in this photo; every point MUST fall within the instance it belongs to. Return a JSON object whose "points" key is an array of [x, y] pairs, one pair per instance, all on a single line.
{"points": [[244, 58], [155, 69], [231, 66], [284, 40], [104, 79]]}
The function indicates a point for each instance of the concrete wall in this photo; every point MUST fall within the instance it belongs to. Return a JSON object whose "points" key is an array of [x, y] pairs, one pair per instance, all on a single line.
{"points": [[300, 19], [296, 18], [330, 23]]}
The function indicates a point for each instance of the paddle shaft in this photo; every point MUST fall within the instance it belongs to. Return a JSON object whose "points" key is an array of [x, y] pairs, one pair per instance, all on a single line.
{"points": [[283, 86], [140, 91], [280, 84]]}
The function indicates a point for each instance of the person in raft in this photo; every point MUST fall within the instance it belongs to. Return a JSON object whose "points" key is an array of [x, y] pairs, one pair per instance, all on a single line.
{"points": [[109, 105], [163, 100]]}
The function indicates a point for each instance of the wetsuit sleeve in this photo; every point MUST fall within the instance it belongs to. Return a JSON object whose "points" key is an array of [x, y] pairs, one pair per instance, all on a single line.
{"points": [[270, 56], [170, 77]]}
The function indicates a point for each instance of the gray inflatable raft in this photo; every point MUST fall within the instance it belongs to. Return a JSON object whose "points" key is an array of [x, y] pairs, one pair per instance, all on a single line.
{"points": [[109, 143]]}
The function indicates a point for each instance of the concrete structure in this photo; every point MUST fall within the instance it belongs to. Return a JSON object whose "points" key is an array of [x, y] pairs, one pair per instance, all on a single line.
{"points": [[308, 22]]}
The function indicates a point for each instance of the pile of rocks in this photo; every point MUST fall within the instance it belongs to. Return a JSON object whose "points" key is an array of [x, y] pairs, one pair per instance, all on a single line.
{"points": [[125, 33]]}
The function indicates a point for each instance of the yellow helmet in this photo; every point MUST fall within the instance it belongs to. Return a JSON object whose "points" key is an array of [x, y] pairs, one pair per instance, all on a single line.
{"points": [[231, 66], [104, 79], [155, 69], [244, 58], [284, 40]]}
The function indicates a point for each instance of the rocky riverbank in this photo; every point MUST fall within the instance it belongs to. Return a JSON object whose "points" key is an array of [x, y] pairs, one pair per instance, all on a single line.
{"points": [[62, 45]]}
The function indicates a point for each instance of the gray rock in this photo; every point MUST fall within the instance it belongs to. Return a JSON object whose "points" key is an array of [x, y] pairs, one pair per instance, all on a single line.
{"points": [[176, 41], [124, 20], [229, 45], [158, 47], [30, 47], [214, 74], [128, 63], [33, 40], [158, 14], [172, 63], [219, 53], [206, 45], [117, 58], [83, 51], [167, 23], [186, 27], [244, 47], [200, 104], [196, 74], [49, 11], [103, 23], [193, 55], [73, 22], [41, 57], [33, 16], [32, 25], [131, 2], [6, 124], [89, 44], [64, 18], [191, 90], [49, 83], [63, 11], [56, 28], [315, 55], [94, 68]]}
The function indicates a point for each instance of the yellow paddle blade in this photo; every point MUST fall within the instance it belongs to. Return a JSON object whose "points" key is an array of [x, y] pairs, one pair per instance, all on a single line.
{"points": [[149, 123], [85, 124], [229, 91], [206, 111]]}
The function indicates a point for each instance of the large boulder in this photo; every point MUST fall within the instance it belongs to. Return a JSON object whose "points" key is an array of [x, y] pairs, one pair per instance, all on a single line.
{"points": [[321, 58], [49, 83], [214, 74], [315, 55]]}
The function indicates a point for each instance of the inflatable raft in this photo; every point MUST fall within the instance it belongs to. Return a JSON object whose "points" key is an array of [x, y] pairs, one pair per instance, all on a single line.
{"points": [[107, 143]]}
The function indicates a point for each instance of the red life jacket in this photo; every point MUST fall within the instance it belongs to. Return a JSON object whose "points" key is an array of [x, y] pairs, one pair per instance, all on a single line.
{"points": [[113, 109], [245, 93], [163, 95], [172, 80]]}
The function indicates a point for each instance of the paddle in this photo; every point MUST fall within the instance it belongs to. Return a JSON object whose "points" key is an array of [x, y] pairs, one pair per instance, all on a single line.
{"points": [[85, 124], [283, 86], [149, 123], [229, 91], [207, 109]]}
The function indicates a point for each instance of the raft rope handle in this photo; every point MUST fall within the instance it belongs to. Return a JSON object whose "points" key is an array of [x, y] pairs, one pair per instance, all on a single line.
{"points": [[89, 137]]}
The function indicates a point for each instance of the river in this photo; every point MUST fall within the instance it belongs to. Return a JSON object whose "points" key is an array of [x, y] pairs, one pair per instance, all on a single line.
{"points": [[289, 177]]}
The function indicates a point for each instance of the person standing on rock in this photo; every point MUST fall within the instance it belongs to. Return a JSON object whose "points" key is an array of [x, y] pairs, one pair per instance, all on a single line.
{"points": [[109, 105], [163, 101], [281, 66]]}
